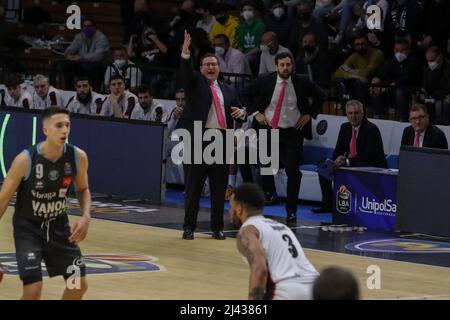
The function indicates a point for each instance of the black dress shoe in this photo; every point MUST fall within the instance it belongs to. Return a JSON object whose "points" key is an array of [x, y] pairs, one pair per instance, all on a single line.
{"points": [[271, 199], [219, 235], [188, 234], [291, 219], [322, 210]]}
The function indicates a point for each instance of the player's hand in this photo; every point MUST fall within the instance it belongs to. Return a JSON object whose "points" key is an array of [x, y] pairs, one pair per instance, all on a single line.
{"points": [[302, 121], [186, 43], [261, 119], [79, 230], [236, 113], [177, 112]]}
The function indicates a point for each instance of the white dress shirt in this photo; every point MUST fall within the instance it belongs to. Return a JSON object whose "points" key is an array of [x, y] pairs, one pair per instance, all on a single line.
{"points": [[289, 111], [212, 121]]}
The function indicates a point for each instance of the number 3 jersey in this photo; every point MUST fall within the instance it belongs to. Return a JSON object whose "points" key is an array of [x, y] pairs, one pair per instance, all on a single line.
{"points": [[284, 254], [42, 193]]}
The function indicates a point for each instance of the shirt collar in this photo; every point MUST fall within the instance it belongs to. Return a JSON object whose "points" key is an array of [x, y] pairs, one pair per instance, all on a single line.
{"points": [[279, 80]]}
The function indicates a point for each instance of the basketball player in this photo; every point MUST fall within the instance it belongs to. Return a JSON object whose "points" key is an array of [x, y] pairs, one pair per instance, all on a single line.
{"points": [[42, 175], [279, 269]]}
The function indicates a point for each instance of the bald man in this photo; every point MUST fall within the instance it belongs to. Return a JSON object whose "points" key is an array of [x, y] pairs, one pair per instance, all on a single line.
{"points": [[270, 47]]}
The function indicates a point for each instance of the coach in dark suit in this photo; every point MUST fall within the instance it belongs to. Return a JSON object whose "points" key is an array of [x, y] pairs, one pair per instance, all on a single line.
{"points": [[421, 133], [359, 144], [213, 104], [280, 100]]}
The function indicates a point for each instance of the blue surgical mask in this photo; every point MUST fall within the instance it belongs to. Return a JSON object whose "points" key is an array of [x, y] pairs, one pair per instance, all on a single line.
{"points": [[219, 51]]}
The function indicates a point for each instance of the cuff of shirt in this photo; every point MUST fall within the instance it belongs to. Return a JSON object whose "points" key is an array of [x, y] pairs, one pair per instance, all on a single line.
{"points": [[185, 56], [347, 162], [244, 114], [254, 113]]}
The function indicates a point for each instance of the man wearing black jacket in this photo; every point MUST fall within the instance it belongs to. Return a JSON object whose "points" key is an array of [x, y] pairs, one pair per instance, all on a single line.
{"points": [[281, 100], [214, 105], [359, 144], [421, 133]]}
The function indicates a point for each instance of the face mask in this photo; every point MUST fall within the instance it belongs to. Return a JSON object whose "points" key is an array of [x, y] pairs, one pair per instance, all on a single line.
{"points": [[264, 48], [222, 20], [85, 99], [304, 16], [433, 65], [248, 15], [219, 51], [278, 12], [88, 31], [309, 49], [120, 62], [400, 56]]}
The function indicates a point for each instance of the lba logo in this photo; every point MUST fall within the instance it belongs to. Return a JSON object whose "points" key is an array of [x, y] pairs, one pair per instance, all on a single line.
{"points": [[343, 200]]}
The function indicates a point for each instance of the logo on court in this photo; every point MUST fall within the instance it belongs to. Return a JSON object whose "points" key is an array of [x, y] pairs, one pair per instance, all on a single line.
{"points": [[344, 200], [95, 263], [395, 245]]}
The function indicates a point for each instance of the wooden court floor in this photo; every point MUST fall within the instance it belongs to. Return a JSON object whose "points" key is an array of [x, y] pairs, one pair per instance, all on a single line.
{"points": [[210, 269]]}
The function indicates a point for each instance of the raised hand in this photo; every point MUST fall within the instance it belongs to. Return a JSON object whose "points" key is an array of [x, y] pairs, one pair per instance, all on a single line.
{"points": [[186, 43]]}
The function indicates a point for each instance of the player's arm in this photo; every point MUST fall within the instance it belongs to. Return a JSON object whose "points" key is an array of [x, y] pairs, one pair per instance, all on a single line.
{"points": [[80, 229], [249, 246], [16, 173]]}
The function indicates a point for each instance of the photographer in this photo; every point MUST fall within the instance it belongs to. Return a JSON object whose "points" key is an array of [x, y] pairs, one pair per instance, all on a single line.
{"points": [[148, 48]]}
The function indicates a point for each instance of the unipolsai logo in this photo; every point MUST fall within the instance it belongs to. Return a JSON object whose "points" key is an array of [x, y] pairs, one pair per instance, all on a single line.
{"points": [[343, 200], [373, 20]]}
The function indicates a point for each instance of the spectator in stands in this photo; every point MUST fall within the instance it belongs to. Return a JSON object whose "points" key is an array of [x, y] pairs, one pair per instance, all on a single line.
{"points": [[148, 48], [231, 60], [121, 102], [45, 95], [249, 34], [313, 62], [225, 24], [336, 283], [175, 114], [125, 68], [149, 109], [206, 22], [144, 15], [89, 49], [184, 18], [323, 8], [307, 24], [270, 47], [402, 73], [278, 21], [359, 68], [421, 132], [200, 45], [404, 19], [16, 96], [86, 101], [435, 80], [359, 144], [435, 30]]}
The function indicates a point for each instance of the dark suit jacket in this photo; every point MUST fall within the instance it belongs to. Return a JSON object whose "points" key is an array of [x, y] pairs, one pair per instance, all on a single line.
{"points": [[258, 95], [434, 137], [199, 97], [369, 145]]}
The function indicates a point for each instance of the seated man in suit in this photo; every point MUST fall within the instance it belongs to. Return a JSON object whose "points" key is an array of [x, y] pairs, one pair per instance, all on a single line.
{"points": [[359, 144], [422, 133]]}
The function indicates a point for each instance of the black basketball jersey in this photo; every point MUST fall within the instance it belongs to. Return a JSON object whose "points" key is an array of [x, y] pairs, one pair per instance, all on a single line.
{"points": [[42, 193]]}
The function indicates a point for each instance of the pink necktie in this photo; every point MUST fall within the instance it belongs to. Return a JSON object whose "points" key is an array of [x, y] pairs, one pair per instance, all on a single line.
{"points": [[276, 115], [353, 145], [220, 117], [417, 140]]}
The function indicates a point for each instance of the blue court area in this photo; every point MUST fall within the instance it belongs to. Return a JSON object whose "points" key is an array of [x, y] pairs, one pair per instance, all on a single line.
{"points": [[176, 197]]}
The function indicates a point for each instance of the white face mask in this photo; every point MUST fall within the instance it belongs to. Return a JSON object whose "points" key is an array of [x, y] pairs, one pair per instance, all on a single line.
{"points": [[120, 62], [219, 51], [264, 48], [278, 12], [433, 65], [248, 14], [400, 56]]}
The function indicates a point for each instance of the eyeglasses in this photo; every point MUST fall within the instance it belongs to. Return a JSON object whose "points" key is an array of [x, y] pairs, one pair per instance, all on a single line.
{"points": [[418, 118]]}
